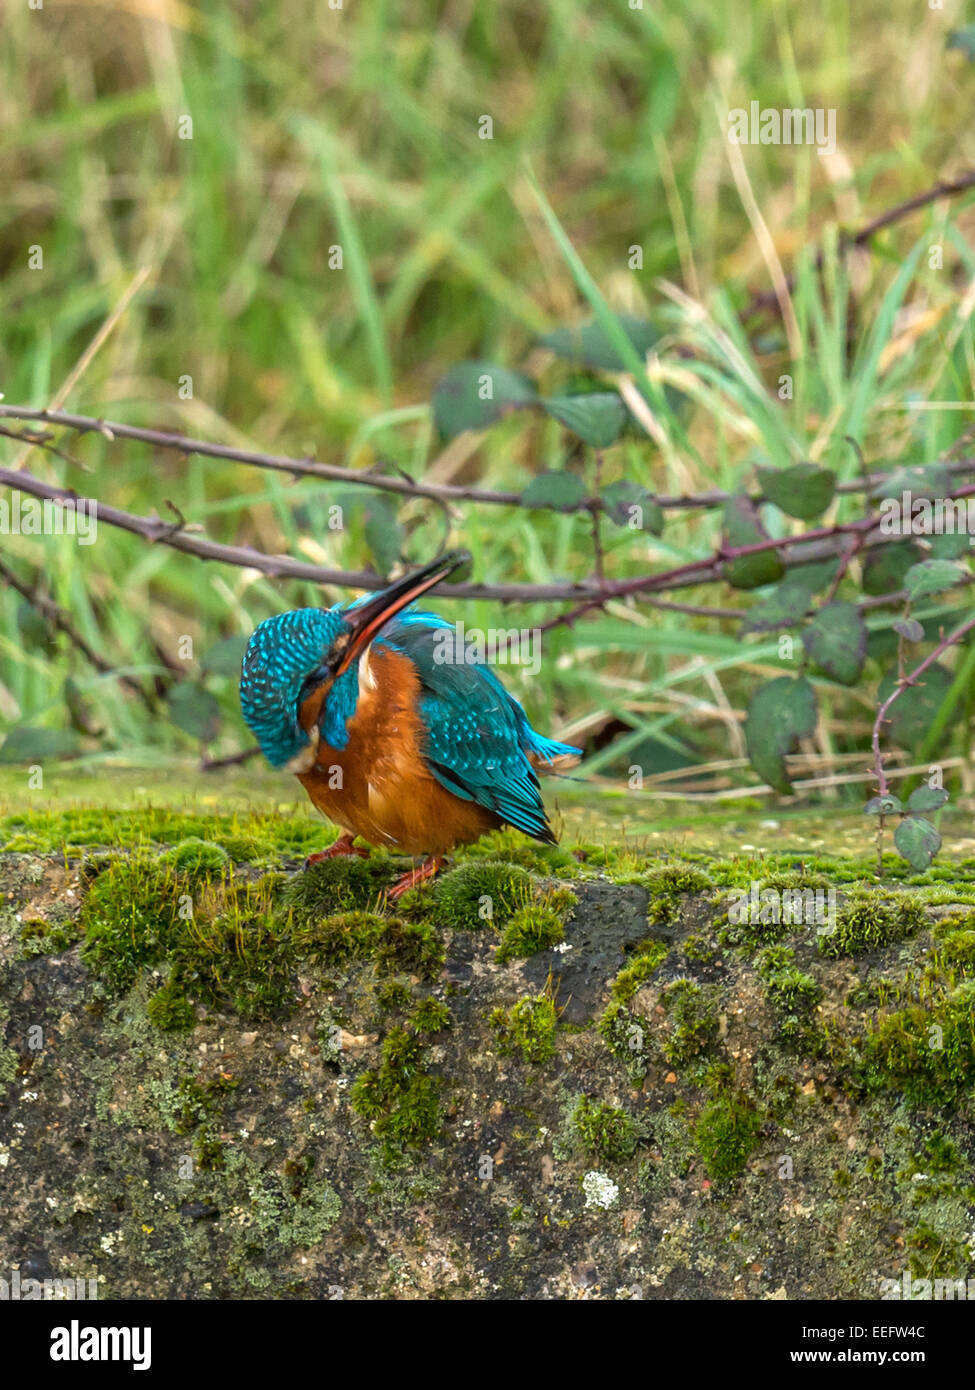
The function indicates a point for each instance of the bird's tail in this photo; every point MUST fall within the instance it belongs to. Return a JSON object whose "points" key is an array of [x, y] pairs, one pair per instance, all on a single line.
{"points": [[547, 755]]}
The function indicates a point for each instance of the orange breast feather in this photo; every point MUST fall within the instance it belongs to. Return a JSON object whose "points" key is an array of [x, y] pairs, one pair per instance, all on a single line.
{"points": [[379, 786]]}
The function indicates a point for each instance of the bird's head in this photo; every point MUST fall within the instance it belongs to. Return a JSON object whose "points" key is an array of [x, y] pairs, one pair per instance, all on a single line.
{"points": [[309, 658]]}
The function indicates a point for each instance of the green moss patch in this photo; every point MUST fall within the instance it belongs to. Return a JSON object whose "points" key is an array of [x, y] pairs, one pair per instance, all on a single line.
{"points": [[528, 1027]]}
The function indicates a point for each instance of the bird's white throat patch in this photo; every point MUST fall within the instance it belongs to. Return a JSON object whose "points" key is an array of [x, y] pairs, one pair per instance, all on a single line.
{"points": [[305, 760]]}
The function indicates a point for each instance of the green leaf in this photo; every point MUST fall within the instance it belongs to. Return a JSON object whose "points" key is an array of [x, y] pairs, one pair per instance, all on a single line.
{"points": [[779, 714], [963, 40], [950, 546], [742, 526], [36, 633], [887, 805], [919, 479], [587, 343], [785, 606], [926, 798], [933, 577], [473, 395], [633, 506], [886, 565], [836, 640], [24, 744], [918, 841], [803, 491], [555, 489], [194, 710], [910, 629], [597, 418], [383, 534], [912, 713], [224, 658], [813, 576]]}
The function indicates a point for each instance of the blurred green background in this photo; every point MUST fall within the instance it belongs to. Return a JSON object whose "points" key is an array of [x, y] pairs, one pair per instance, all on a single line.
{"points": [[313, 127]]}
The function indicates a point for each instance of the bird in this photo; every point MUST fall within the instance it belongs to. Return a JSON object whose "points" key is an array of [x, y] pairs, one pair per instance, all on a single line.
{"points": [[394, 739]]}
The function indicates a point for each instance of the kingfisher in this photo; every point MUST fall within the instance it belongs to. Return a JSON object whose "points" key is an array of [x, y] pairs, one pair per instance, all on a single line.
{"points": [[395, 739]]}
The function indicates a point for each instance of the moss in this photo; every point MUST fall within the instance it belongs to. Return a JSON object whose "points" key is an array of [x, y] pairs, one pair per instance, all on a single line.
{"points": [[337, 885], [394, 995], [195, 858], [529, 1027], [535, 927], [481, 891], [170, 1010], [431, 1016], [957, 951], [130, 918], [699, 949], [400, 1100], [339, 939], [693, 1013], [867, 921], [642, 967], [514, 848], [9, 1061], [726, 1133], [625, 1036], [674, 880], [410, 946], [790, 991], [606, 1132], [928, 1053]]}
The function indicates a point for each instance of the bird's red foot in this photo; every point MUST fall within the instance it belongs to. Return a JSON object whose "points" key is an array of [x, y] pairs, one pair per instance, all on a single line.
{"points": [[428, 869], [343, 845]]}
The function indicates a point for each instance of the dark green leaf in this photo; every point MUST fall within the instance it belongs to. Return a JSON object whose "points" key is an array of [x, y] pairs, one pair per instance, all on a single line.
{"points": [[950, 546], [912, 713], [926, 798], [194, 710], [36, 633], [812, 576], [26, 745], [918, 841], [836, 640], [743, 527], [597, 419], [224, 657], [473, 395], [632, 506], [919, 479], [886, 565], [933, 577], [555, 489], [963, 40], [383, 534], [779, 714], [785, 606], [805, 490], [587, 343], [888, 805]]}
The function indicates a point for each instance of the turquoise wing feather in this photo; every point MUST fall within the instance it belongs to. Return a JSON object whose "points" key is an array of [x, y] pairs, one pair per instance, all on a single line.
{"points": [[478, 737]]}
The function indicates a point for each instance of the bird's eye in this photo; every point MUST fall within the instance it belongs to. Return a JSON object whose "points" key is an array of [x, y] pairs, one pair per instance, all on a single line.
{"points": [[312, 682]]}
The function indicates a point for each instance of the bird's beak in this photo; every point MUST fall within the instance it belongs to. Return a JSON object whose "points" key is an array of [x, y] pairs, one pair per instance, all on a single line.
{"points": [[367, 618]]}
